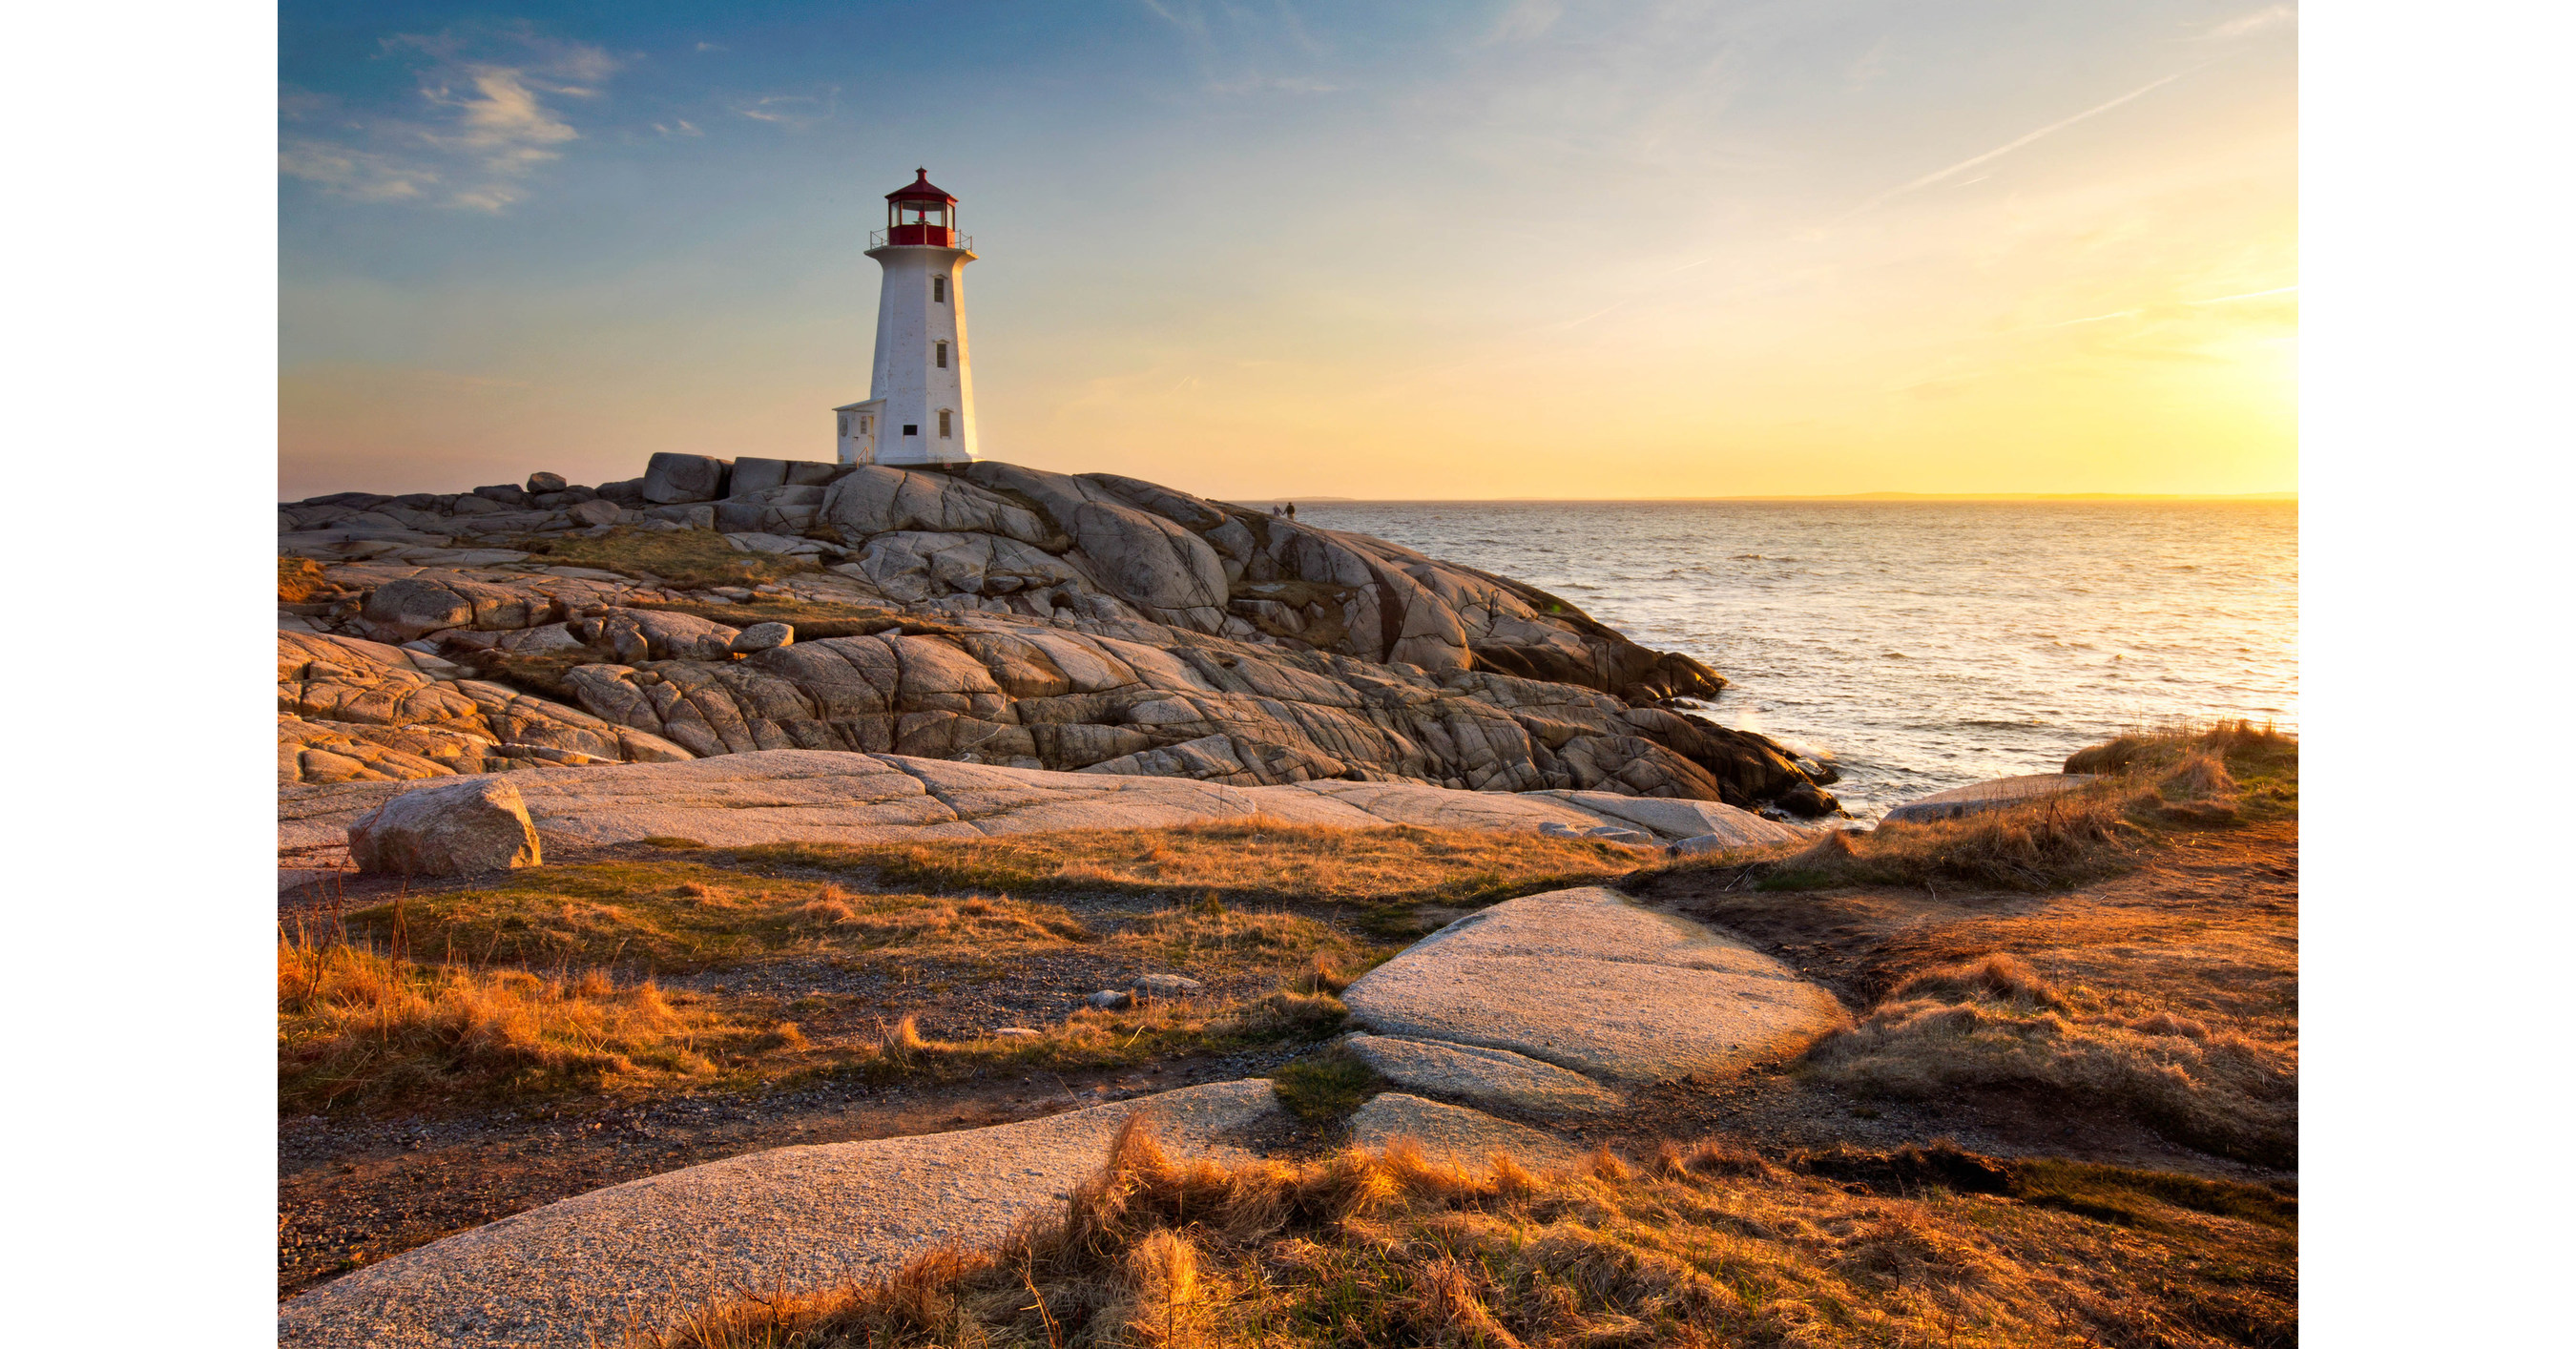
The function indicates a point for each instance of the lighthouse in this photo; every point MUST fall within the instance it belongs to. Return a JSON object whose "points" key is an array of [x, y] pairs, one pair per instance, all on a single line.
{"points": [[920, 407]]}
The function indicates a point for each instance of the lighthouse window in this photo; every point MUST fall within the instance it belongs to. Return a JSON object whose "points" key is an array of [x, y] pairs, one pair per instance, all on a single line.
{"points": [[845, 426], [863, 426], [943, 354], [912, 428], [939, 290], [943, 423]]}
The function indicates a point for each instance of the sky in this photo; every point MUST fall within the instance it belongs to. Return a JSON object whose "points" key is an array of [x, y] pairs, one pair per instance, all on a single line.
{"points": [[1507, 248]]}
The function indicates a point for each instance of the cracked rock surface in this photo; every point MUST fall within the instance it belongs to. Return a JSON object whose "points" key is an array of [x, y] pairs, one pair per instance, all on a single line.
{"points": [[1484, 1076], [1454, 1133], [1022, 618], [580, 1271], [819, 796], [1590, 981]]}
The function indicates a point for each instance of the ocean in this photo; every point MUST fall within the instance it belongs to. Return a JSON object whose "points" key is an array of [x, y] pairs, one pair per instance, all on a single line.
{"points": [[1920, 644]]}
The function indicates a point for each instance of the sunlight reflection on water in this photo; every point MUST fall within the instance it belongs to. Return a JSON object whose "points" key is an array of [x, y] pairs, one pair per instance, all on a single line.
{"points": [[1924, 644]]}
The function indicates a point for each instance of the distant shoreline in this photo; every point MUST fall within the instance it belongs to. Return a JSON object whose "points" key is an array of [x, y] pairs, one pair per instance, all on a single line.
{"points": [[2291, 497]]}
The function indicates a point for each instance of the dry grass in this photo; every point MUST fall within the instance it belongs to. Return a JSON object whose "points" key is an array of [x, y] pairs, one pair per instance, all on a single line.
{"points": [[686, 916], [300, 580], [2161, 1000], [1242, 863], [1092, 1038], [1207, 939], [675, 916], [1698, 1245], [1994, 1024], [363, 1029], [691, 558], [2184, 776]]}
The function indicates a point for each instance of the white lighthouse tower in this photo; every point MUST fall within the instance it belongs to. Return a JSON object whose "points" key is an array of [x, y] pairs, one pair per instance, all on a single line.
{"points": [[920, 407]]}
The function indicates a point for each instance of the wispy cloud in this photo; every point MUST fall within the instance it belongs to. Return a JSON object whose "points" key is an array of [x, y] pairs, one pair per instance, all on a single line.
{"points": [[1284, 84], [481, 125], [2249, 295], [356, 174], [2009, 146], [1525, 21], [1872, 63], [2272, 16], [795, 112], [680, 127], [1236, 53]]}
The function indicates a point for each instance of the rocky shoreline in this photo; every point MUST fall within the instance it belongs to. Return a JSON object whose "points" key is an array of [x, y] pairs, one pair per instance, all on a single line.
{"points": [[988, 614]]}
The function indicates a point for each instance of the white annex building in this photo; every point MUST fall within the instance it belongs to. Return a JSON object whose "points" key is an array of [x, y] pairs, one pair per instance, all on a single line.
{"points": [[921, 400]]}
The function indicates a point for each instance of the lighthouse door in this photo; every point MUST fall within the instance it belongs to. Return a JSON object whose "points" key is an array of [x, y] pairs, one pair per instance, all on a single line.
{"points": [[858, 431]]}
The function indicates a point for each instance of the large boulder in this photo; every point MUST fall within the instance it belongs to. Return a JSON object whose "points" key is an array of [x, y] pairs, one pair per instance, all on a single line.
{"points": [[595, 512], [763, 637], [680, 479], [911, 566], [875, 499], [410, 607], [455, 830], [636, 635], [1589, 981], [758, 475], [1993, 794], [769, 510]]}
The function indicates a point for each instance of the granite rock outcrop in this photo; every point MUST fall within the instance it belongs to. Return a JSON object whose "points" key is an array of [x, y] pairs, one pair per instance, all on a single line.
{"points": [[987, 613]]}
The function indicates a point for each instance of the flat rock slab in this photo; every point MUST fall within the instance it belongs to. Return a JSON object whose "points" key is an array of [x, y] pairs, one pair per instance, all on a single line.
{"points": [[579, 1272], [1485, 1076], [1453, 1133], [1672, 818], [832, 796], [1987, 795], [1587, 980]]}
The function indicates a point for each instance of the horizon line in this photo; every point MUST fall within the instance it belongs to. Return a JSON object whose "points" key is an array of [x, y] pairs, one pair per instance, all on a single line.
{"points": [[1820, 496]]}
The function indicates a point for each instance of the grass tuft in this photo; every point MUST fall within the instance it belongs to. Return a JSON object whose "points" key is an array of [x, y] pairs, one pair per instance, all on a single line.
{"points": [[2182, 777], [301, 580], [685, 915], [1703, 1244], [357, 1028], [1326, 1086], [1992, 1026]]}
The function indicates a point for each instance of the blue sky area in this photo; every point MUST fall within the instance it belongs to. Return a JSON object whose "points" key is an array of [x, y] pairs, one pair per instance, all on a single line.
{"points": [[1463, 249]]}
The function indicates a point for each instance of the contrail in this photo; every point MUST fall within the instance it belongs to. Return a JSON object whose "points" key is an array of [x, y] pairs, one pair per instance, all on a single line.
{"points": [[2249, 295], [2008, 147]]}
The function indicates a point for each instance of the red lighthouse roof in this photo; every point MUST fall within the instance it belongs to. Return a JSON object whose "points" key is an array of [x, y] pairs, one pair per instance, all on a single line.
{"points": [[920, 189]]}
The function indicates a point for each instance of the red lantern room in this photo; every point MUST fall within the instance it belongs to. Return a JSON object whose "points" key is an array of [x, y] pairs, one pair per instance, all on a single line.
{"points": [[921, 214]]}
